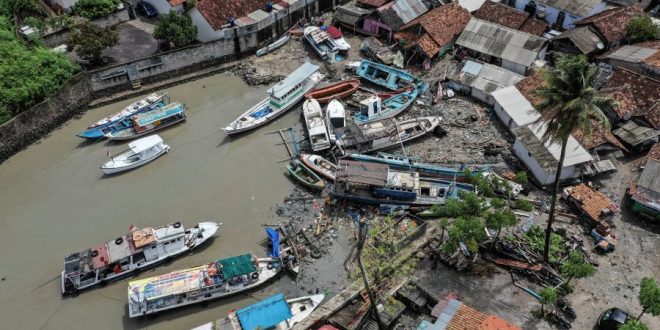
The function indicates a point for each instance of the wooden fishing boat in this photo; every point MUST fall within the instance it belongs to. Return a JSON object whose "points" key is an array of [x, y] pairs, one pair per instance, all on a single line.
{"points": [[273, 46], [387, 95], [339, 90], [335, 117], [386, 76], [304, 175], [316, 130], [374, 108], [140, 152], [138, 250], [281, 97], [218, 279], [151, 121], [319, 165], [384, 134]]}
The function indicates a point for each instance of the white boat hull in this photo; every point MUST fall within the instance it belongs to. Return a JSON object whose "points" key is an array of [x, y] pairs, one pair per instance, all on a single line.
{"points": [[115, 166], [316, 129]]}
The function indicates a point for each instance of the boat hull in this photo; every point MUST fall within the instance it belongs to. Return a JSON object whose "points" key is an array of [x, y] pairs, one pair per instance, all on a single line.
{"points": [[108, 169], [298, 169], [336, 91], [308, 160], [275, 45], [113, 136]]}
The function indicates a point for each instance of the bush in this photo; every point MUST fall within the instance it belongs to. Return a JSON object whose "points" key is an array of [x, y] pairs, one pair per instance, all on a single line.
{"points": [[90, 40], [521, 178], [535, 237], [176, 28], [524, 205], [641, 29], [95, 8]]}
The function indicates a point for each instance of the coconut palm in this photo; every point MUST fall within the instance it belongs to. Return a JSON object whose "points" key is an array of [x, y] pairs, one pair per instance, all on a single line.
{"points": [[570, 102]]}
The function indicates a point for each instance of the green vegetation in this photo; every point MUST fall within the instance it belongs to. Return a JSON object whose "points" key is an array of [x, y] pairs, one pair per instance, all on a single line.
{"points": [[10, 7], [576, 267], [633, 324], [521, 178], [469, 204], [641, 28], [95, 8], [548, 297], [570, 102], [466, 229], [500, 219], [90, 40], [534, 237], [176, 28], [62, 21], [524, 205], [649, 297]]}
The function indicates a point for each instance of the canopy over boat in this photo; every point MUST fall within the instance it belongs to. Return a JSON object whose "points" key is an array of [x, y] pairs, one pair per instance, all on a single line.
{"points": [[159, 114], [274, 238], [296, 77], [334, 32], [236, 266], [264, 314], [145, 143]]}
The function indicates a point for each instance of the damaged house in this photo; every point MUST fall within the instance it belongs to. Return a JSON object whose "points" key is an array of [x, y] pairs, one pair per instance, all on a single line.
{"points": [[480, 80], [644, 191], [612, 24], [510, 17], [390, 17], [561, 14]]}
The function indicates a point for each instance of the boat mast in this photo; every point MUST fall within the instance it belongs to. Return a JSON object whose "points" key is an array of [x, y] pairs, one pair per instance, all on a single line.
{"points": [[396, 125]]}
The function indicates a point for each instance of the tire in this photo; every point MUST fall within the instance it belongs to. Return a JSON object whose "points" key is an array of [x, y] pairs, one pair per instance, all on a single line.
{"points": [[254, 275], [74, 293], [176, 224], [316, 254], [119, 240], [270, 265], [94, 253]]}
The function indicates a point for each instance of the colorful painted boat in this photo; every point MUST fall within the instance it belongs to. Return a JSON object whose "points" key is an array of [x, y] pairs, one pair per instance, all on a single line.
{"points": [[384, 134], [387, 95], [304, 175], [273, 46], [320, 41], [319, 165], [151, 121], [374, 108], [339, 90], [386, 76]]}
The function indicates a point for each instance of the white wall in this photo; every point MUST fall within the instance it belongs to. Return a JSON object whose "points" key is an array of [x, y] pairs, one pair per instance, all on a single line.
{"points": [[482, 96], [163, 7], [514, 67], [504, 117], [204, 30], [543, 177]]}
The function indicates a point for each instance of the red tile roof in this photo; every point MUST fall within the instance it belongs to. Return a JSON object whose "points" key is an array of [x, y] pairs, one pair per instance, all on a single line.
{"points": [[468, 318], [654, 153], [373, 3], [636, 94], [534, 26], [176, 2], [612, 23], [529, 84], [217, 12], [501, 14], [591, 202]]}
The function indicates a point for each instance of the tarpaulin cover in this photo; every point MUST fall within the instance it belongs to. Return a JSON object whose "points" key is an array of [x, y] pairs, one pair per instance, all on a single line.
{"points": [[236, 266], [274, 238], [334, 32], [265, 313]]}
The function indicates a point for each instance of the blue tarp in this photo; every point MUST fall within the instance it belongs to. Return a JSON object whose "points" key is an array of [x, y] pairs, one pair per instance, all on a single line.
{"points": [[265, 313], [261, 112], [274, 238]]}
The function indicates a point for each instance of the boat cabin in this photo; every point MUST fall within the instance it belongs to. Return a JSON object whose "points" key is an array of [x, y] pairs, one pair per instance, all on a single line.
{"points": [[290, 88], [384, 75], [173, 112], [371, 107]]}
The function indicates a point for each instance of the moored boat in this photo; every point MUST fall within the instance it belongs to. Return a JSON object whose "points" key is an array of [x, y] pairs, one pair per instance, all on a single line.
{"points": [[304, 175], [339, 90], [335, 119], [218, 279], [386, 76], [151, 121], [319, 165], [316, 130], [140, 249], [384, 134], [282, 97], [140, 152], [273, 46]]}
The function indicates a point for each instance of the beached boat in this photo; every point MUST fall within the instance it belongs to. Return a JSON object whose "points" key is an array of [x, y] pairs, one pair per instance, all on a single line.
{"points": [[374, 183], [316, 130], [335, 119], [151, 121], [281, 97], [282, 246], [320, 41], [374, 108], [387, 95], [138, 250], [271, 313], [339, 90], [384, 134], [211, 281], [403, 162], [387, 76], [319, 165], [304, 175], [338, 38], [273, 46], [139, 153]]}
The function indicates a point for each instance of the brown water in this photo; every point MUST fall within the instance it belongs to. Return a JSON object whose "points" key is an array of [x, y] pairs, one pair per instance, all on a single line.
{"points": [[54, 200]]}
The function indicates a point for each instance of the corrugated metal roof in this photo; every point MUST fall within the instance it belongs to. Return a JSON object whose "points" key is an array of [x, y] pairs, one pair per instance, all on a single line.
{"points": [[351, 14], [499, 41], [634, 134], [632, 53], [547, 153], [583, 38], [580, 8], [301, 73], [408, 10], [516, 105], [487, 77], [649, 178]]}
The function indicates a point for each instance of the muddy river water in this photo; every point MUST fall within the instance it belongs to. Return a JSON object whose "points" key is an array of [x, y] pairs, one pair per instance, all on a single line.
{"points": [[54, 200]]}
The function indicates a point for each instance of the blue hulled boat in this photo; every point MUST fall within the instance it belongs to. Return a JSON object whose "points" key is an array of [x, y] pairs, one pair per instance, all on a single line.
{"points": [[387, 76], [374, 109], [151, 121]]}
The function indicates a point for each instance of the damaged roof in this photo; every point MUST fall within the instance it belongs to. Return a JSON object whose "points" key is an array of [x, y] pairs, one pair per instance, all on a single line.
{"points": [[501, 14], [636, 94], [373, 3], [583, 38], [408, 10], [458, 316], [634, 134], [646, 189], [218, 12], [593, 203], [580, 8], [351, 14], [486, 77], [368, 173], [612, 24], [547, 153], [534, 26]]}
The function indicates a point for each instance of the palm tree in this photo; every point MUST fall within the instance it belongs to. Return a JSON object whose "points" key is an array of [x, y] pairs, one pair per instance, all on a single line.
{"points": [[570, 102]]}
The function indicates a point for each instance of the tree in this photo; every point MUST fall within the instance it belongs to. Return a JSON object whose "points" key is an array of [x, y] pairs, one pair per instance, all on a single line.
{"points": [[443, 224], [548, 296], [95, 8], [176, 28], [372, 297], [641, 28], [466, 229], [576, 267], [649, 297], [521, 178], [633, 324], [500, 219], [570, 101], [497, 203], [90, 40]]}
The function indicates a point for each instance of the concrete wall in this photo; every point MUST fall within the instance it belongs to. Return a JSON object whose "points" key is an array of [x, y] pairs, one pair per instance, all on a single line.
{"points": [[59, 37], [514, 67], [504, 117], [163, 7], [542, 176]]}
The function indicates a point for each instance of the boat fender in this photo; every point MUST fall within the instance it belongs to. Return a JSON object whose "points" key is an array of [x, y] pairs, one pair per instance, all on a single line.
{"points": [[119, 240], [255, 275], [316, 254], [94, 253], [176, 224], [270, 265]]}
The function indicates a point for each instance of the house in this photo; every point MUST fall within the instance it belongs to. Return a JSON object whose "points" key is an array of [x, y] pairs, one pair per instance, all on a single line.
{"points": [[513, 109], [644, 191], [637, 98], [373, 3], [542, 158], [504, 15], [434, 33], [642, 58], [511, 49], [212, 16], [612, 24], [479, 80], [471, 5], [351, 16], [561, 14], [388, 18], [581, 40], [595, 207], [638, 137], [454, 314], [165, 6]]}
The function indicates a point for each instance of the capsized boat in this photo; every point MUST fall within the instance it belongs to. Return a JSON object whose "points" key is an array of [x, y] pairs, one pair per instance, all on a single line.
{"points": [[316, 130], [140, 152], [335, 119], [140, 249], [271, 313], [384, 134], [339, 90], [282, 246], [218, 279], [275, 45], [151, 121], [387, 76], [337, 38], [320, 41], [319, 165], [304, 175], [281, 97]]}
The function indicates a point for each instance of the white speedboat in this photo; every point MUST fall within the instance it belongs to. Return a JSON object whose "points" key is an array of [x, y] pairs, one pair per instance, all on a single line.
{"points": [[335, 116], [320, 165], [338, 39], [320, 41], [140, 152], [282, 97], [141, 248], [316, 130]]}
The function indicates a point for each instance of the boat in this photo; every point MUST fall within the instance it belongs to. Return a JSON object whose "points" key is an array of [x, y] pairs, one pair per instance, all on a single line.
{"points": [[320, 41], [374, 108], [136, 251], [337, 38], [281, 97], [319, 165], [387, 95], [121, 120], [335, 119], [316, 130], [387, 76], [271, 313], [151, 121], [275, 45], [339, 90], [304, 175], [426, 169], [283, 247], [217, 279], [384, 134], [376, 184], [140, 152]]}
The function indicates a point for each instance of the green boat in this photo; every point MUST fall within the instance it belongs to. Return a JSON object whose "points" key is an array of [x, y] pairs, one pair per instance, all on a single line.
{"points": [[305, 176]]}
